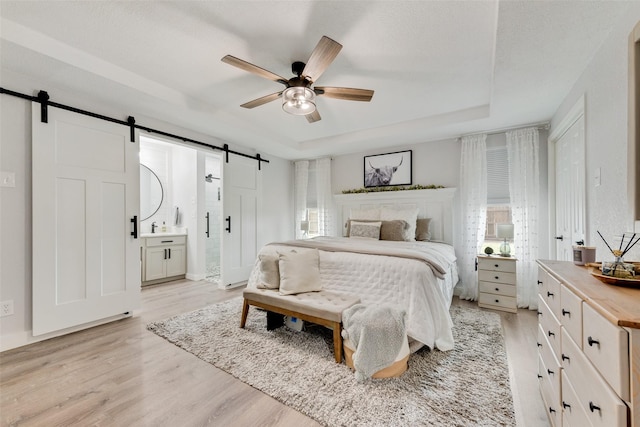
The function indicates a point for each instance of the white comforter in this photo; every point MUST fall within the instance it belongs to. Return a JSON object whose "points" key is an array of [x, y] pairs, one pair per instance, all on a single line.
{"points": [[408, 283]]}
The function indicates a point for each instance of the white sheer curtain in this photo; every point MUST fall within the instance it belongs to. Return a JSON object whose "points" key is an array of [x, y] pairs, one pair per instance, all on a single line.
{"points": [[473, 201], [300, 184], [524, 190], [324, 197]]}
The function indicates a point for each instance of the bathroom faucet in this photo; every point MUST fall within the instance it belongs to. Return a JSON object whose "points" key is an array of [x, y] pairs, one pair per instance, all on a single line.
{"points": [[153, 227]]}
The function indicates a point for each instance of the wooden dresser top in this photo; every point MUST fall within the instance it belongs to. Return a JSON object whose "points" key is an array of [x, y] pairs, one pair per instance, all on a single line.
{"points": [[620, 305]]}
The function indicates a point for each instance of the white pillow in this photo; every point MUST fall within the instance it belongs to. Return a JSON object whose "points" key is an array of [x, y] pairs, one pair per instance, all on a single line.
{"points": [[365, 214], [408, 214], [365, 230], [299, 271], [269, 272]]}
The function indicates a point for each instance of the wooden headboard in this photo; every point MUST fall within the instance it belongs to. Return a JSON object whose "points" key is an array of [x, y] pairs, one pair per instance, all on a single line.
{"points": [[434, 204]]}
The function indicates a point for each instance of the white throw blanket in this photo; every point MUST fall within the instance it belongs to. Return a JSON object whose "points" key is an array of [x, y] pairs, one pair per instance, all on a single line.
{"points": [[377, 331]]}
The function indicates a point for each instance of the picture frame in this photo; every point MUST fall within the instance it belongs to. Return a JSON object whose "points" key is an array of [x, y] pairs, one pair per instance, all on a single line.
{"points": [[389, 169]]}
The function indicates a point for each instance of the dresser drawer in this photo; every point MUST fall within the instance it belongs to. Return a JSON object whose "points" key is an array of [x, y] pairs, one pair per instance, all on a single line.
{"points": [[550, 326], [498, 288], [571, 313], [551, 400], [497, 264], [573, 414], [496, 276], [600, 403], [550, 292], [606, 345], [550, 361]]}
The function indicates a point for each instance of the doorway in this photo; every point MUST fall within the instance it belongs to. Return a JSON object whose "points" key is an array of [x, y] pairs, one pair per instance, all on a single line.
{"points": [[567, 165], [213, 210]]}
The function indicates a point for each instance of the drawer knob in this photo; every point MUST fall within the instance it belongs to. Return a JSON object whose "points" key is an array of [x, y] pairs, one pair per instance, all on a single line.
{"points": [[593, 407], [551, 410], [549, 294], [496, 265], [497, 289], [539, 345], [540, 376], [539, 282], [539, 313], [591, 342], [566, 312], [497, 277], [565, 405], [497, 301], [550, 372], [565, 358], [551, 334]]}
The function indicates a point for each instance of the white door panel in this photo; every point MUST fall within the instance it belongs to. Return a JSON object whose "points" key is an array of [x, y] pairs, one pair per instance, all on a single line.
{"points": [[86, 264], [570, 190], [240, 201]]}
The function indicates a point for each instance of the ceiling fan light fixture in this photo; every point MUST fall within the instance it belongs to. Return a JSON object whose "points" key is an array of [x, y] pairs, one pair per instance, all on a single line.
{"points": [[299, 100]]}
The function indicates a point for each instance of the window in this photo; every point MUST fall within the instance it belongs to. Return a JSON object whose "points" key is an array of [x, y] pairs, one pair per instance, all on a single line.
{"points": [[498, 207]]}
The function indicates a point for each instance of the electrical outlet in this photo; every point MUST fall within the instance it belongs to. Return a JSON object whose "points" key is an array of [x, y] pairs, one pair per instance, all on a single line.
{"points": [[6, 308]]}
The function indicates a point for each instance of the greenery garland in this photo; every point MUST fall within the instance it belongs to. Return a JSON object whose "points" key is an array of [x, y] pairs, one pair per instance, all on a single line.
{"points": [[393, 188]]}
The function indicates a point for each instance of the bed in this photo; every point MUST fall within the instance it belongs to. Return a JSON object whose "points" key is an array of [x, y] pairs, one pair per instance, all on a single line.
{"points": [[417, 276]]}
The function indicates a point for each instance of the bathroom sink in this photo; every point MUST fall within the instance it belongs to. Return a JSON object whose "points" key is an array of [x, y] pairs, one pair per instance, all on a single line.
{"points": [[179, 232], [167, 234]]}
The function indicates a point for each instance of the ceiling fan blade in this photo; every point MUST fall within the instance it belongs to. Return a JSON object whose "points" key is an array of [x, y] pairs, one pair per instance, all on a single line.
{"points": [[322, 56], [313, 117], [348, 93], [262, 100], [247, 66]]}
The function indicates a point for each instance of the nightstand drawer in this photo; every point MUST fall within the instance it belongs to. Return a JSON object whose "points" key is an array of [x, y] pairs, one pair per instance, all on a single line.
{"points": [[497, 264], [497, 301], [496, 276], [498, 288]]}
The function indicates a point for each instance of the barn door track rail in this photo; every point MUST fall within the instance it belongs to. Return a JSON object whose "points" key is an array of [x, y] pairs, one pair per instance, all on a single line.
{"points": [[43, 99]]}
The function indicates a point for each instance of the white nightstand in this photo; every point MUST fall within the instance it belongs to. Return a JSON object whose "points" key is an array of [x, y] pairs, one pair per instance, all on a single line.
{"points": [[497, 283]]}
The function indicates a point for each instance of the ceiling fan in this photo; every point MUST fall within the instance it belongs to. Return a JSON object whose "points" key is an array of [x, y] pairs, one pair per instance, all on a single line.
{"points": [[298, 96]]}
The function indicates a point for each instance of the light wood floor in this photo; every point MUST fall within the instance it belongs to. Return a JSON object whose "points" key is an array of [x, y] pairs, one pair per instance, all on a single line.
{"points": [[120, 374]]}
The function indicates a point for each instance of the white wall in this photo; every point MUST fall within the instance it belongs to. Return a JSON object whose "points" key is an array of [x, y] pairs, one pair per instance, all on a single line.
{"points": [[15, 203], [436, 163], [604, 84]]}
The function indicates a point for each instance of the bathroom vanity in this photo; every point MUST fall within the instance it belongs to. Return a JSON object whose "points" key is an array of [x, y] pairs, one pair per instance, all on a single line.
{"points": [[164, 257]]}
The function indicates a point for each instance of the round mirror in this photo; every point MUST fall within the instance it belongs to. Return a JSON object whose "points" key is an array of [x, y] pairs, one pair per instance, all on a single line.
{"points": [[150, 193]]}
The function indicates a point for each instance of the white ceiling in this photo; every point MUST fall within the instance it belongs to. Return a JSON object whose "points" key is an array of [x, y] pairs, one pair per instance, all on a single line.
{"points": [[439, 68]]}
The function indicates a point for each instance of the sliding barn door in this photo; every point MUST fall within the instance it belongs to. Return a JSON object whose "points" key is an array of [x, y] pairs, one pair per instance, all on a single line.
{"points": [[86, 197], [240, 204]]}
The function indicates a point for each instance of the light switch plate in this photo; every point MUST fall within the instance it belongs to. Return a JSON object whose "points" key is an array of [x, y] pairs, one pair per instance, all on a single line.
{"points": [[7, 179]]}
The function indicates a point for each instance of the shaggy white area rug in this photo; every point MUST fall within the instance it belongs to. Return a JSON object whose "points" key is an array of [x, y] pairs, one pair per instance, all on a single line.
{"points": [[467, 386]]}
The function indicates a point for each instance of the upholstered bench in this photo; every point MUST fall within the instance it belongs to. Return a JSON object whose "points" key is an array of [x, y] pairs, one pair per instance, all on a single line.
{"points": [[322, 308]]}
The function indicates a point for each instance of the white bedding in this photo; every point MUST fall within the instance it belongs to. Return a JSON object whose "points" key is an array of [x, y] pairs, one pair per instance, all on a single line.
{"points": [[408, 283]]}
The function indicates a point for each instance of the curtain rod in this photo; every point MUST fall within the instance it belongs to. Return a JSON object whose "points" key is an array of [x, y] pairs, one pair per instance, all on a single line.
{"points": [[43, 99], [541, 125]]}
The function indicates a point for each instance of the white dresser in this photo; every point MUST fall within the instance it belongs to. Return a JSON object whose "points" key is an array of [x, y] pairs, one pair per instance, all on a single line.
{"points": [[497, 283], [588, 348]]}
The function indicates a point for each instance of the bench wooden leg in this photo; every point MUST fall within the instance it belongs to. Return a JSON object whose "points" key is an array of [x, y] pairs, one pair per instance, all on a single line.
{"points": [[337, 342], [245, 311]]}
